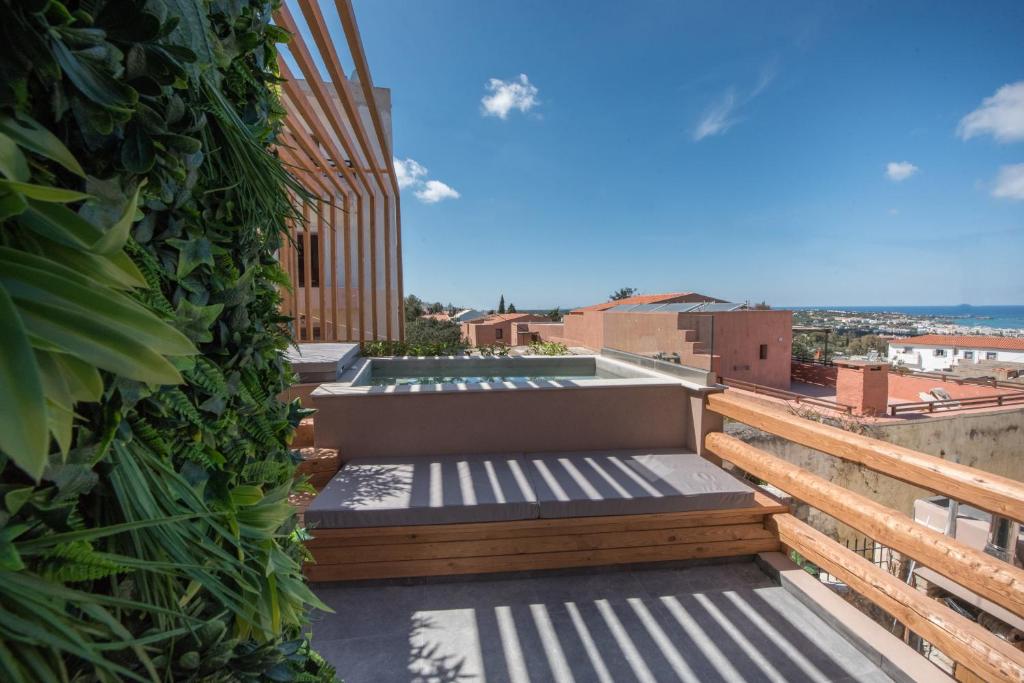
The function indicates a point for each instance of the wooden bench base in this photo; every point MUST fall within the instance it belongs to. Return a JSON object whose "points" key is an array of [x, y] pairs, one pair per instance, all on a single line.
{"points": [[438, 550]]}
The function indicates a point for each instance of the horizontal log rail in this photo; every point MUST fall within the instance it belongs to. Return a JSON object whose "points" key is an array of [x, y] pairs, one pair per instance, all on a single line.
{"points": [[999, 495], [954, 404], [786, 395], [966, 642], [987, 576]]}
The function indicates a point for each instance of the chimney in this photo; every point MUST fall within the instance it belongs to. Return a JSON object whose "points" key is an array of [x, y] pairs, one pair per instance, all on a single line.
{"points": [[863, 385]]}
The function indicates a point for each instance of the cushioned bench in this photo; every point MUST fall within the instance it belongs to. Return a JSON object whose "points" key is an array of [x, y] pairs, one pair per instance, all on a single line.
{"points": [[429, 516], [466, 489]]}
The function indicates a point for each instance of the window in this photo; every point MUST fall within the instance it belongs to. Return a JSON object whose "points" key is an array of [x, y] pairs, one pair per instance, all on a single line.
{"points": [[990, 355], [939, 353], [763, 351], [498, 333], [968, 355], [314, 258], [908, 349]]}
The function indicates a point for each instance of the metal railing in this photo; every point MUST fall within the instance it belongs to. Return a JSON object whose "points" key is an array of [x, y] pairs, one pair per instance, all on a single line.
{"points": [[786, 395]]}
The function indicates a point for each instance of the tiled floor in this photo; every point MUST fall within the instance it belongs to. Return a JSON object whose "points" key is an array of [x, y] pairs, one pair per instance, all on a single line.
{"points": [[724, 622]]}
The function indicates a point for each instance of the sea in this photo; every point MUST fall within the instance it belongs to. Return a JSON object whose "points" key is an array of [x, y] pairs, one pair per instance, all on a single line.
{"points": [[962, 314]]}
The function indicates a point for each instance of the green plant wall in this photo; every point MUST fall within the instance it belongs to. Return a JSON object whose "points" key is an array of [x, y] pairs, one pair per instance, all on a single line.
{"points": [[145, 532]]}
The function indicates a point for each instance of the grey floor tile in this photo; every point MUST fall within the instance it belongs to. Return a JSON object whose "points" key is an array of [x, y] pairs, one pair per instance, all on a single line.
{"points": [[703, 623]]}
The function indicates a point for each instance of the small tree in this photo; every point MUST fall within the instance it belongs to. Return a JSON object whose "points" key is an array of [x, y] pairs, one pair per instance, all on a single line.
{"points": [[413, 307], [555, 314], [511, 308], [435, 307], [623, 293], [763, 306], [501, 304]]}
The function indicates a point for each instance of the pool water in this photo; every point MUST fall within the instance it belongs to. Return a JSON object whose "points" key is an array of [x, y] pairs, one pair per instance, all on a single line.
{"points": [[384, 380]]}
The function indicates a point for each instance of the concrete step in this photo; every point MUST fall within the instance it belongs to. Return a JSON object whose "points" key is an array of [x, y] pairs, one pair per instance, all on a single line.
{"points": [[304, 434]]}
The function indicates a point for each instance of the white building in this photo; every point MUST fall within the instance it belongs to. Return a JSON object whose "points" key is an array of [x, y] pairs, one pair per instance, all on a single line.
{"points": [[939, 352]]}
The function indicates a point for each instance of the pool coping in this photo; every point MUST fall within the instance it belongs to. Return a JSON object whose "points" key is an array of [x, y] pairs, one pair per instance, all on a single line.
{"points": [[347, 384]]}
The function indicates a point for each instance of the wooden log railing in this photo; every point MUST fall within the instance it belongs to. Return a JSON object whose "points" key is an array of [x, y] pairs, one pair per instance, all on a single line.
{"points": [[975, 650], [990, 492]]}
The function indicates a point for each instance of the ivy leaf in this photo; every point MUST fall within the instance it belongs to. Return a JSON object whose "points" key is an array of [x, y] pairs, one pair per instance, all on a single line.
{"points": [[196, 321], [193, 253]]}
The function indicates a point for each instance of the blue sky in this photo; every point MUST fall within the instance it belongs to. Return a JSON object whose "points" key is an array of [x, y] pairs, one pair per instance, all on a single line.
{"points": [[740, 150]]}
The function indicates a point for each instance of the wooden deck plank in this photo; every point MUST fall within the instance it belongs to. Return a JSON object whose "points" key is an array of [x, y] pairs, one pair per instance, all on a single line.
{"points": [[539, 544], [552, 560], [435, 533]]}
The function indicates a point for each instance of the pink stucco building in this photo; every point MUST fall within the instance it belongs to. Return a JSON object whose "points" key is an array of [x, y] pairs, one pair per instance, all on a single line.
{"points": [[497, 328], [731, 340]]}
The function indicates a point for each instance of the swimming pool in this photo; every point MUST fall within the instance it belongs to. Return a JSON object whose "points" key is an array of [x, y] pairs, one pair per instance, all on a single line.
{"points": [[456, 404]]}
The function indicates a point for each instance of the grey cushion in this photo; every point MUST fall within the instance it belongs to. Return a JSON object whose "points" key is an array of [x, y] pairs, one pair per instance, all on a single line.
{"points": [[585, 484], [447, 489]]}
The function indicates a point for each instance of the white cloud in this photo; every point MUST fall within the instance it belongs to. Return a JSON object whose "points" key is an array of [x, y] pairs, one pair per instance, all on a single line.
{"points": [[1001, 116], [434, 191], [723, 114], [508, 95], [718, 118], [409, 172], [412, 174], [899, 170], [1010, 182]]}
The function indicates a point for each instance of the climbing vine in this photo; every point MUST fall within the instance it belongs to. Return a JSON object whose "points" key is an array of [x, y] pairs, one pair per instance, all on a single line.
{"points": [[145, 530]]}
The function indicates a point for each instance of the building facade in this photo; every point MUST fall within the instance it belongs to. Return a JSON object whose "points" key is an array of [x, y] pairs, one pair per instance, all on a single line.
{"points": [[696, 330], [496, 328], [944, 353]]}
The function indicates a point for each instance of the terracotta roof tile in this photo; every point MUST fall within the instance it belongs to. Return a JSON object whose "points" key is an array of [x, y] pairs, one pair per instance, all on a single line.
{"points": [[964, 341]]}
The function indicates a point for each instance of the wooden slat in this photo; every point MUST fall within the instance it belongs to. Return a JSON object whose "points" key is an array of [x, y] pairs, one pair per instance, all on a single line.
{"points": [[361, 267], [999, 495], [959, 638], [987, 576], [512, 563], [347, 245], [540, 544], [335, 324], [321, 235], [307, 266], [373, 266], [436, 533], [398, 261], [387, 269]]}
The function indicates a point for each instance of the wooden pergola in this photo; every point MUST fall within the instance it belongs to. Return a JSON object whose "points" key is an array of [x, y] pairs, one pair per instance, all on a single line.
{"points": [[346, 259]]}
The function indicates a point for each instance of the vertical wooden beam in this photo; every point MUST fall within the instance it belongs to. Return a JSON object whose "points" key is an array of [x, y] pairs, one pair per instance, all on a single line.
{"points": [[307, 267], [361, 254], [321, 280], [398, 263], [373, 262], [334, 271], [387, 268], [347, 208]]}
